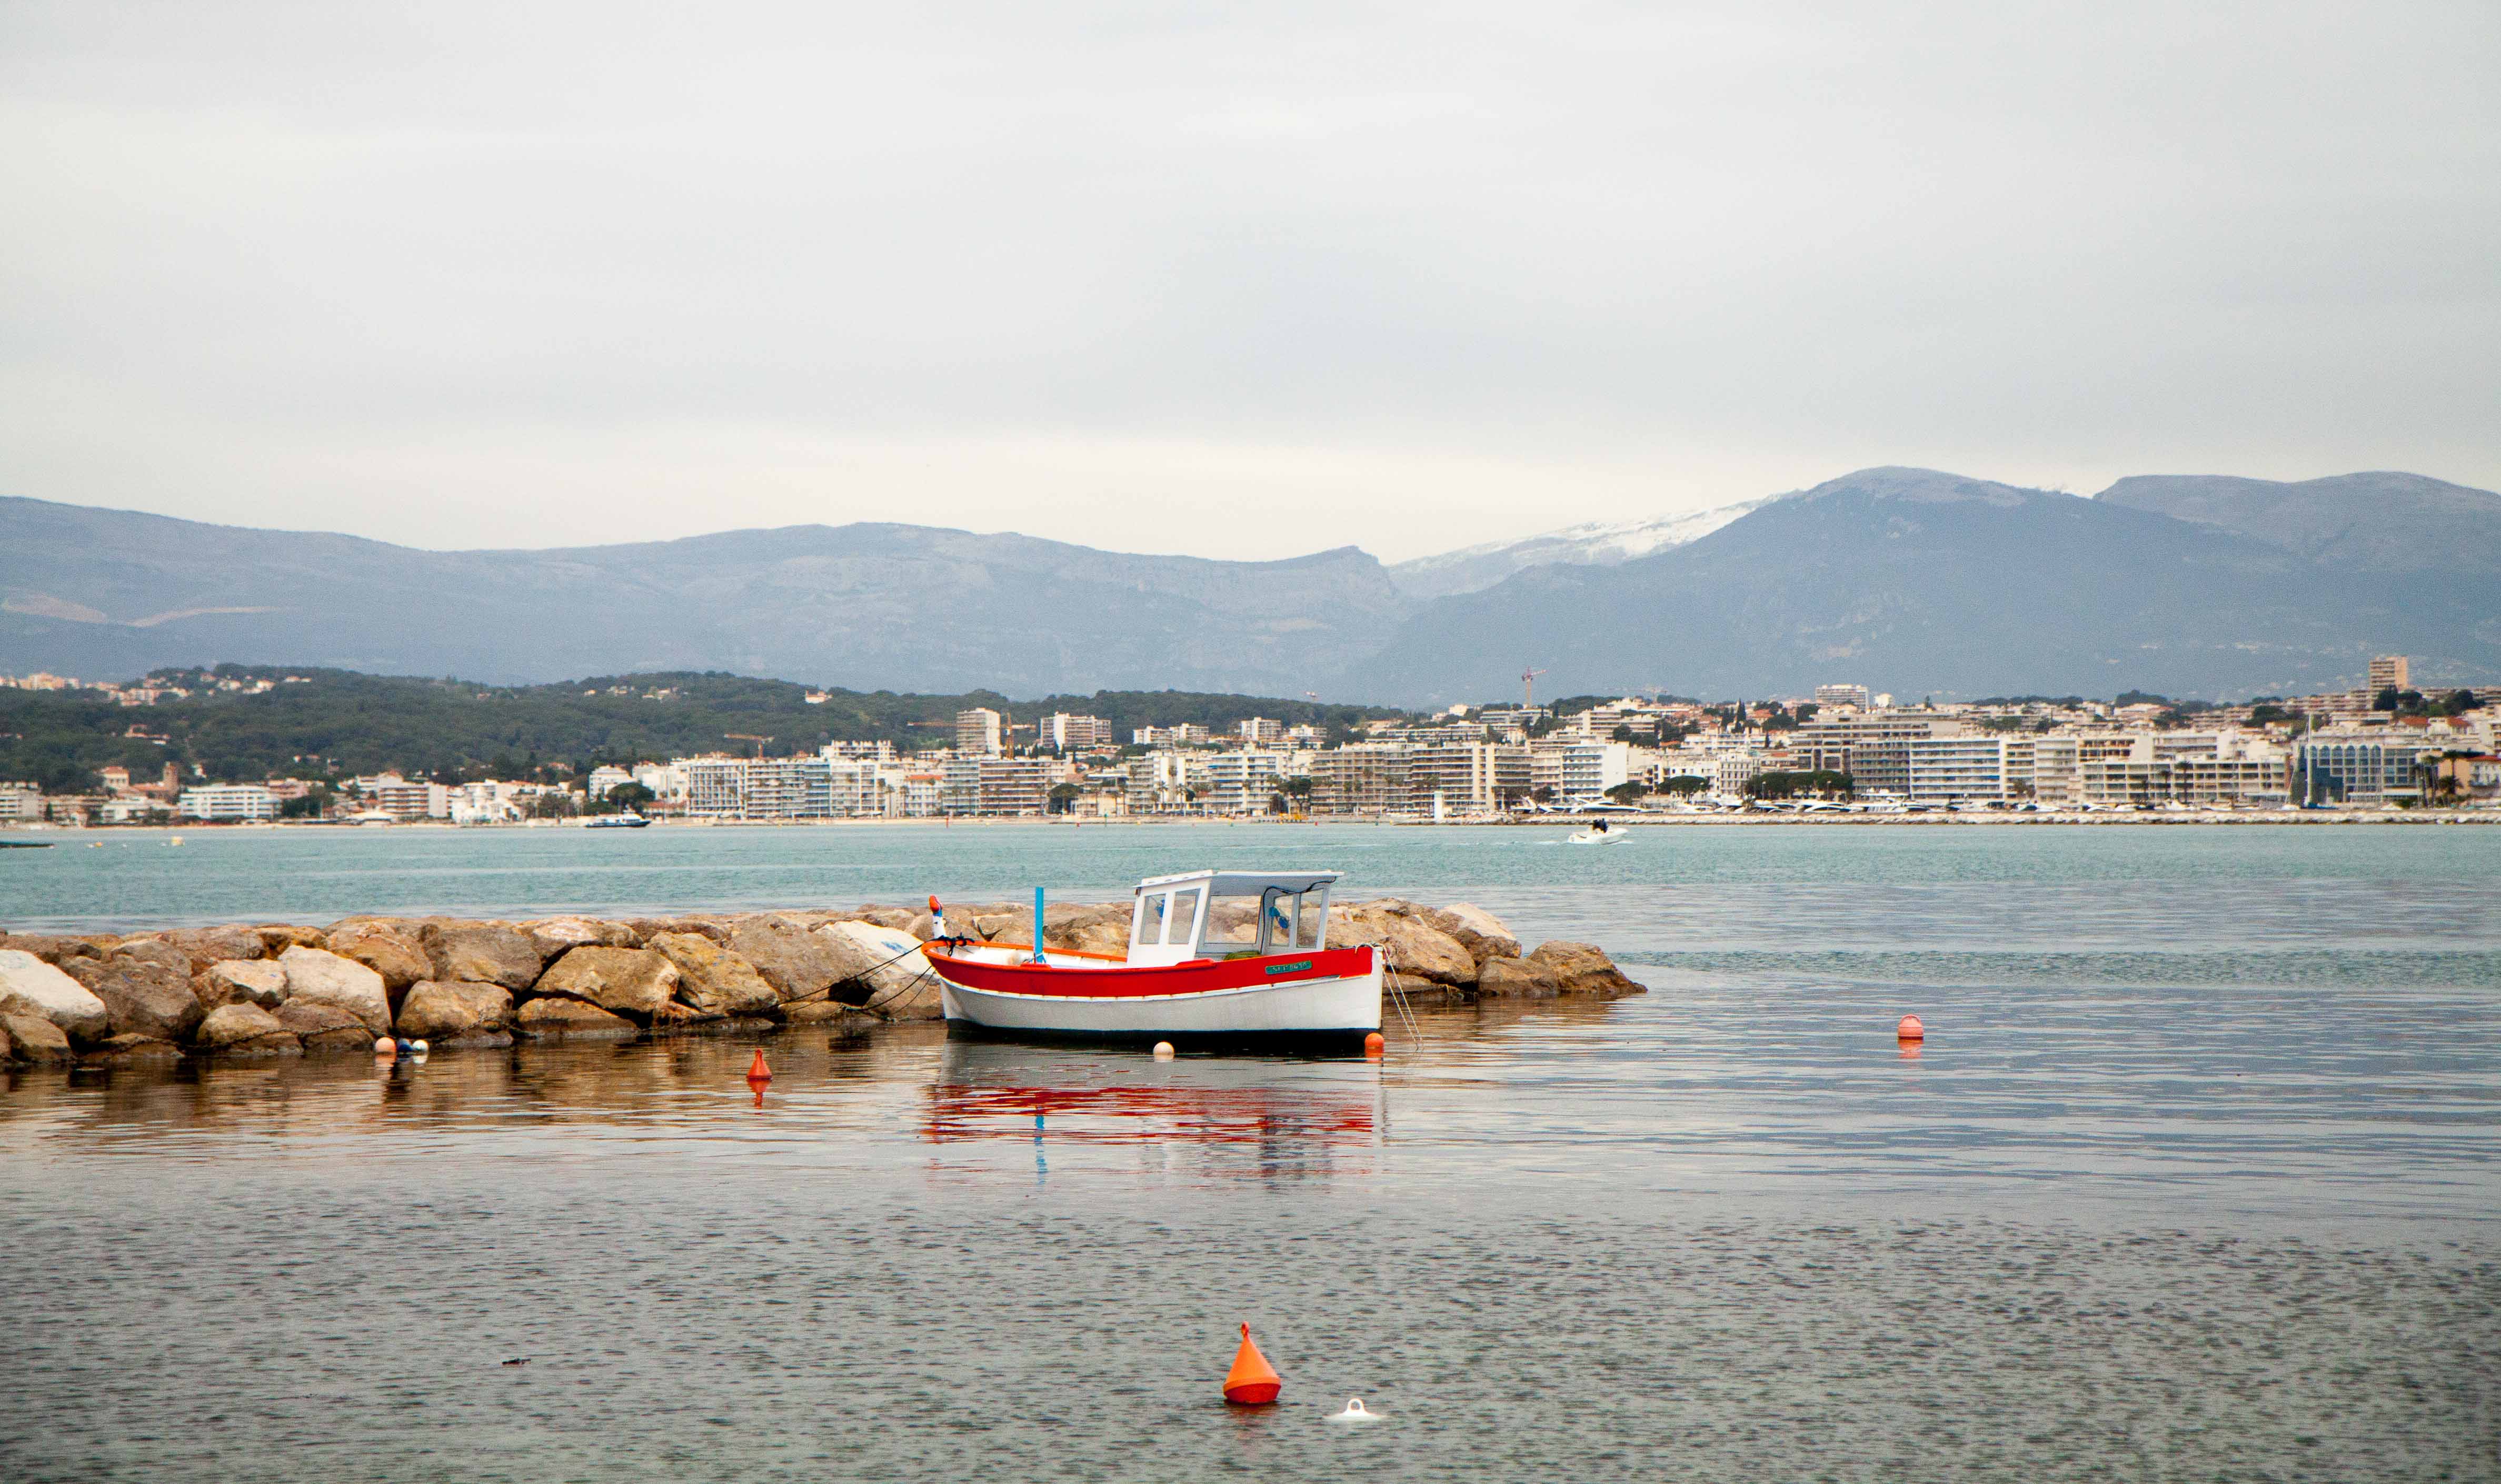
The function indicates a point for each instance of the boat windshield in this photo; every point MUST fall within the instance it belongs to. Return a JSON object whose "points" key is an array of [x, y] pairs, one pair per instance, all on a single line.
{"points": [[1275, 921]]}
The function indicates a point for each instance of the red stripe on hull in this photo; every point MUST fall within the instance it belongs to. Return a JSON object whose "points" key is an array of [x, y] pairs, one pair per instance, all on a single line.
{"points": [[1175, 979]]}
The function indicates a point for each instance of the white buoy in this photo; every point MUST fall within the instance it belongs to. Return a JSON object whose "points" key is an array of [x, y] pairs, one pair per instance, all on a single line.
{"points": [[416, 1046], [1164, 1052], [1353, 1412]]}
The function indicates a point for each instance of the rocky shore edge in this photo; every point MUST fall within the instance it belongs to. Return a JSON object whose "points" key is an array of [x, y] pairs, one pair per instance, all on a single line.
{"points": [[282, 989]]}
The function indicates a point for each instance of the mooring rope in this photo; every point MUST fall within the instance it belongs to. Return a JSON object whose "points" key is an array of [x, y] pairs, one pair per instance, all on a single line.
{"points": [[1398, 994]]}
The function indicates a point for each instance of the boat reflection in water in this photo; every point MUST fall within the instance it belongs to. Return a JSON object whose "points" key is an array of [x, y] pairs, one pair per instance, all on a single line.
{"points": [[1229, 1115]]}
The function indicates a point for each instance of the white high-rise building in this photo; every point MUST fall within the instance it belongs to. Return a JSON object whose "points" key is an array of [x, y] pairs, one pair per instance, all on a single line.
{"points": [[229, 802], [1954, 769], [981, 733]]}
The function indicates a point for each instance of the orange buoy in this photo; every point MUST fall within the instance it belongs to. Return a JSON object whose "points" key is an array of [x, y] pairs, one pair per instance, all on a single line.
{"points": [[1253, 1381], [757, 1070], [1374, 1044], [1910, 1030]]}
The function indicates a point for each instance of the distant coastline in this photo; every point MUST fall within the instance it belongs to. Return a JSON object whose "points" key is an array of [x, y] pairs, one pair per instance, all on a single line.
{"points": [[1935, 820]]}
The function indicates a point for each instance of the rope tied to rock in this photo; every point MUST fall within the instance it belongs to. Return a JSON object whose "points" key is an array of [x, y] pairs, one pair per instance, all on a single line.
{"points": [[871, 1004]]}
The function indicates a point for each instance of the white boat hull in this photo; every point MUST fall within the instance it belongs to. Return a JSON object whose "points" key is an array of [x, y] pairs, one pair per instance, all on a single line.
{"points": [[1310, 1008]]}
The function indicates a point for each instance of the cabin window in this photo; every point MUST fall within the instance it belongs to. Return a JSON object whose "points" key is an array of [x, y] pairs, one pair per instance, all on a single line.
{"points": [[1232, 926], [1184, 919], [1311, 917], [1150, 919]]}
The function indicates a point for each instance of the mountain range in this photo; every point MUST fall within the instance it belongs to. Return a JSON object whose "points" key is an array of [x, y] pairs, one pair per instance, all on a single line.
{"points": [[1911, 581]]}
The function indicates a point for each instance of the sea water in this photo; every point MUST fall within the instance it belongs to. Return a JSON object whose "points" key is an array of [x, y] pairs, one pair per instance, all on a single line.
{"points": [[2195, 1177]]}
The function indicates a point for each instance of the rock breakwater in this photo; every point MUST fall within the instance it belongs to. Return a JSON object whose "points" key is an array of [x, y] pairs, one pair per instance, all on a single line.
{"points": [[283, 989]]}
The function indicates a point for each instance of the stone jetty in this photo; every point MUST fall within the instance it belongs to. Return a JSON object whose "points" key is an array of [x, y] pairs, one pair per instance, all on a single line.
{"points": [[280, 989]]}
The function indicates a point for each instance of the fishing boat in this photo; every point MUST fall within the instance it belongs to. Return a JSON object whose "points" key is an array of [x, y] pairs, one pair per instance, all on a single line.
{"points": [[1215, 959]]}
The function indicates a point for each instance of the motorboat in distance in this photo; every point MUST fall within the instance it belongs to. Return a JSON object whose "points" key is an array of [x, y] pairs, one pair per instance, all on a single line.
{"points": [[1229, 959], [1597, 834], [629, 820]]}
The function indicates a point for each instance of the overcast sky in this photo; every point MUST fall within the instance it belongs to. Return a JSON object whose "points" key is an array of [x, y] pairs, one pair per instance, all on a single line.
{"points": [[1247, 282]]}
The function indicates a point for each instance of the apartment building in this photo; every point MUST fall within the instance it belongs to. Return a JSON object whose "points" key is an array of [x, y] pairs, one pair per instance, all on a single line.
{"points": [[228, 803], [981, 733], [1873, 749], [1957, 769], [1071, 732], [757, 788], [2203, 769], [1467, 777], [1585, 770], [1260, 731], [22, 802], [1732, 768], [1243, 781], [401, 799], [1370, 778], [1010, 786], [1162, 782], [2388, 673], [2355, 767], [1841, 695]]}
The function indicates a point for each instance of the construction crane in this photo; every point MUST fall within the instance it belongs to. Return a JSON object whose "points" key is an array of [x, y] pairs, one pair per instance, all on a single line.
{"points": [[747, 736], [1528, 688]]}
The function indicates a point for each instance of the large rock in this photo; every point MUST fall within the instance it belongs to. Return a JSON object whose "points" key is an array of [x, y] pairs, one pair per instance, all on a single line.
{"points": [[553, 935], [234, 980], [392, 952], [712, 979], [326, 978], [323, 1027], [1514, 978], [556, 1017], [1416, 949], [275, 937], [53, 950], [29, 986], [442, 1012], [634, 982], [483, 953], [147, 986], [830, 1015], [204, 947], [244, 1029], [649, 928], [129, 1048], [899, 918], [1581, 968], [30, 1038], [1479, 932], [901, 985], [798, 963]]}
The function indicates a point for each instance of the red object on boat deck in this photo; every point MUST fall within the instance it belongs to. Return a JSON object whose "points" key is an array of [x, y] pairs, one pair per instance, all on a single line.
{"points": [[757, 1070], [1253, 1381]]}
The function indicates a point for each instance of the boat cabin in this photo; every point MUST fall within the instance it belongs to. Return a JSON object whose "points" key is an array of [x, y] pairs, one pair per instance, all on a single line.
{"points": [[1219, 915]]}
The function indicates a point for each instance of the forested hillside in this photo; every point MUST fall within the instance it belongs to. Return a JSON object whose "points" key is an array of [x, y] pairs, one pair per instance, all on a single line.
{"points": [[332, 722]]}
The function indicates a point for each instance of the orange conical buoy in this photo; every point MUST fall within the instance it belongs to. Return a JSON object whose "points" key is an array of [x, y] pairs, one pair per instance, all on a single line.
{"points": [[757, 1070], [1253, 1381], [1909, 1029]]}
